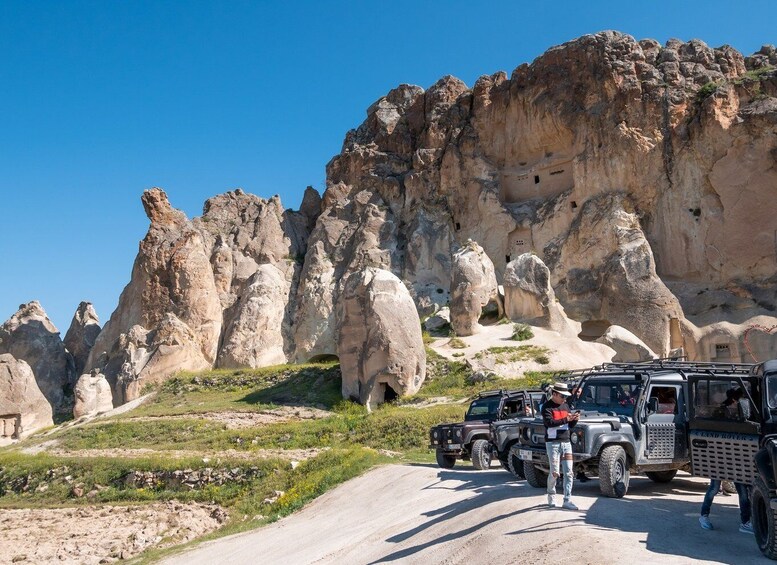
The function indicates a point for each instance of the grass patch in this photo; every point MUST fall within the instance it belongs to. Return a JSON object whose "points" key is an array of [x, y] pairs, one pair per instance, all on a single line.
{"points": [[457, 343], [503, 355], [522, 332]]}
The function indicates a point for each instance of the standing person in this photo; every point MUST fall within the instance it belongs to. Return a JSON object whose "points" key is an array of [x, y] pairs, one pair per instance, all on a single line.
{"points": [[558, 419], [744, 507], [731, 409]]}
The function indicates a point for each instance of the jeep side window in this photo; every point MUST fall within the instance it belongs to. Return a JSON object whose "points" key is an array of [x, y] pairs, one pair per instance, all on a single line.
{"points": [[718, 399], [482, 408], [609, 396], [771, 391], [666, 397]]}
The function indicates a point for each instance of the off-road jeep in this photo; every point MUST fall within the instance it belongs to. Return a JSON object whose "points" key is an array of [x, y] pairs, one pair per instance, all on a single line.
{"points": [[504, 434], [733, 436], [633, 420], [470, 439]]}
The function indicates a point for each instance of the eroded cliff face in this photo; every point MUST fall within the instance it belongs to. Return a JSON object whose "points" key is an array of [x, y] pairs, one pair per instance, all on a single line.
{"points": [[643, 176], [626, 166]]}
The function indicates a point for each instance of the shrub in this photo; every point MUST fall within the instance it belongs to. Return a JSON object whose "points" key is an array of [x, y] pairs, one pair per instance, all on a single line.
{"points": [[522, 332]]}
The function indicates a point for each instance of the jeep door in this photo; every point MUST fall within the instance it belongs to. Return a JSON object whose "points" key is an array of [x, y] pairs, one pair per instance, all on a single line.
{"points": [[665, 424], [723, 427]]}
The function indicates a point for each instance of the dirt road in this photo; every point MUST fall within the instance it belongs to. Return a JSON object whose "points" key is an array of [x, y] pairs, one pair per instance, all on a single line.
{"points": [[423, 514]]}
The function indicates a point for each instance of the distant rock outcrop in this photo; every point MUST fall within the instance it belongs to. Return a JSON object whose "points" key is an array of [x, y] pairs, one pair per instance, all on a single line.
{"points": [[23, 407], [31, 337], [379, 341], [80, 337], [195, 284]]}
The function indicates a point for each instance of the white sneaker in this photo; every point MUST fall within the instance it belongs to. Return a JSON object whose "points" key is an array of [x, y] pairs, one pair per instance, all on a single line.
{"points": [[569, 505], [705, 523], [551, 501]]}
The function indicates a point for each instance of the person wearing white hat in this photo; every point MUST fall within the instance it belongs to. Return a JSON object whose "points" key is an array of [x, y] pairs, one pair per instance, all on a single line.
{"points": [[558, 420]]}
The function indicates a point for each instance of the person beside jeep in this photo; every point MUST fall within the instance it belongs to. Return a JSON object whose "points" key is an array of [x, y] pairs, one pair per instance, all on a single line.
{"points": [[558, 419]]}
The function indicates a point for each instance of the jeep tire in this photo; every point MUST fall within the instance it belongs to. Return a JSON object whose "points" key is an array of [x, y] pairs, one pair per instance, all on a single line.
{"points": [[764, 520], [661, 476], [481, 454], [515, 464], [613, 471], [534, 476], [445, 460]]}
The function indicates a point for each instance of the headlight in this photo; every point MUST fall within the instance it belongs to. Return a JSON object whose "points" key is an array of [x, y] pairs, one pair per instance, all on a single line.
{"points": [[527, 434], [574, 438], [434, 434], [458, 433]]}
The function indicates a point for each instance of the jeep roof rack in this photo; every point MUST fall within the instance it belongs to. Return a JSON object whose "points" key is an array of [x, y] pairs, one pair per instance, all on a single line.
{"points": [[662, 364]]}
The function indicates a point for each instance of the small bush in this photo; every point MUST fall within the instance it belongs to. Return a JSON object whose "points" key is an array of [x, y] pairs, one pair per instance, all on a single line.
{"points": [[542, 359], [707, 90], [457, 343], [522, 332]]}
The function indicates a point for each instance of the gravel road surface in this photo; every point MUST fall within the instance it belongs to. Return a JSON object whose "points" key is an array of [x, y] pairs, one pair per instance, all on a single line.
{"points": [[424, 514]]}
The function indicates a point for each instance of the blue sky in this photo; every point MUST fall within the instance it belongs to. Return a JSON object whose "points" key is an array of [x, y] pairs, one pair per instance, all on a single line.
{"points": [[100, 100]]}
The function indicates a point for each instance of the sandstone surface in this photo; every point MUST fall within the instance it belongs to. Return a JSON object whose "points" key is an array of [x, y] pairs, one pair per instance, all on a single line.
{"points": [[379, 342], [80, 337], [628, 347], [23, 407], [92, 395], [474, 289], [528, 296], [31, 337]]}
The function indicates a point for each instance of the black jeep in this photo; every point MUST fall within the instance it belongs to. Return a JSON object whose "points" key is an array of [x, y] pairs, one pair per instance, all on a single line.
{"points": [[470, 439], [733, 437]]}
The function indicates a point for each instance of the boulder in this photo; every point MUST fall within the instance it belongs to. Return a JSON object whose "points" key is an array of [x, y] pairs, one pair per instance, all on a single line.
{"points": [[529, 298], [253, 337], [80, 337], [380, 346], [473, 289], [628, 347], [23, 407], [438, 321], [92, 395], [31, 337]]}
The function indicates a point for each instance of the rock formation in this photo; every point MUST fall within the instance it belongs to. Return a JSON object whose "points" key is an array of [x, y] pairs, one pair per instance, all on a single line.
{"points": [[473, 289], [31, 337], [528, 296], [80, 337], [379, 340], [196, 282], [628, 347], [92, 395], [23, 407]]}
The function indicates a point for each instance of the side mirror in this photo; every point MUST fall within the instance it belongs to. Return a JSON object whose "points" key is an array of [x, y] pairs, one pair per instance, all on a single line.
{"points": [[653, 405], [744, 409]]}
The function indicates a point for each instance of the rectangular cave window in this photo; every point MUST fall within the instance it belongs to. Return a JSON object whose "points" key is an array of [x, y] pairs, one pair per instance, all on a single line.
{"points": [[507, 258], [458, 226], [574, 204], [536, 179], [721, 349]]}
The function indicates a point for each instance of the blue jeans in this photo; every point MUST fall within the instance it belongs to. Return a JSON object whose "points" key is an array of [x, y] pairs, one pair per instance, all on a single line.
{"points": [[556, 450], [744, 500]]}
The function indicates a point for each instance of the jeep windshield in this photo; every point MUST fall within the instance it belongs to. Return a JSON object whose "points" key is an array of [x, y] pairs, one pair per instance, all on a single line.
{"points": [[617, 396], [483, 409]]}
